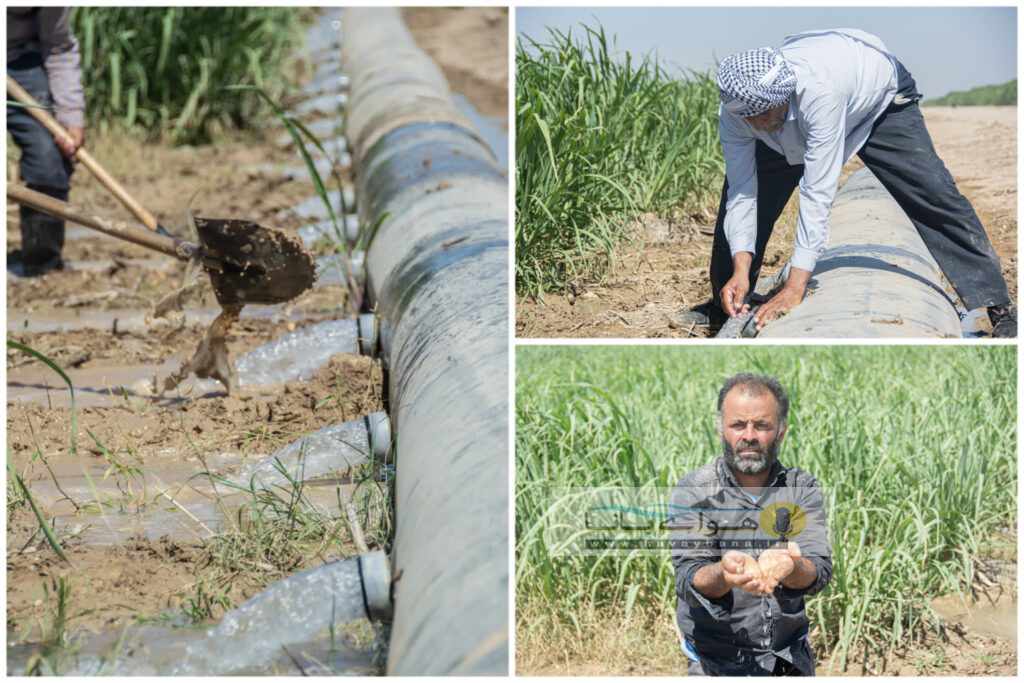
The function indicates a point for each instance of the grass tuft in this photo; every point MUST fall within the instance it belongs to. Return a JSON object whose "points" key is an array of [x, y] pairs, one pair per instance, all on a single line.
{"points": [[600, 139], [163, 69]]}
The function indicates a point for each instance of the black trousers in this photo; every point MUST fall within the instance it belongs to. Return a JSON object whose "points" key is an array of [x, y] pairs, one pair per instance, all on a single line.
{"points": [[43, 168], [899, 151], [782, 668]]}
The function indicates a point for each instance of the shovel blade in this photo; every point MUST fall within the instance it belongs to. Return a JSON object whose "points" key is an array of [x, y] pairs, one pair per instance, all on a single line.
{"points": [[250, 264]]}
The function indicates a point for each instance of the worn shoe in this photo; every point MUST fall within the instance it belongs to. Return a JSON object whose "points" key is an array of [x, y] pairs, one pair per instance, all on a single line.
{"points": [[1004, 321], [706, 314], [38, 264]]}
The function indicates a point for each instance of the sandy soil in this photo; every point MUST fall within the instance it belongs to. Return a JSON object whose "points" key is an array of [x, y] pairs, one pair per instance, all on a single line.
{"points": [[980, 643], [471, 46], [664, 268]]}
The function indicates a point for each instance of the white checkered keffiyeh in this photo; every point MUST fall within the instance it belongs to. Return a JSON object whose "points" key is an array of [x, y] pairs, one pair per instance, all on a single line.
{"points": [[752, 82]]}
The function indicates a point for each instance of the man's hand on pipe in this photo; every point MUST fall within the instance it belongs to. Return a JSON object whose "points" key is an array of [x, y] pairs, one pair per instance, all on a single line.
{"points": [[787, 298], [734, 293]]}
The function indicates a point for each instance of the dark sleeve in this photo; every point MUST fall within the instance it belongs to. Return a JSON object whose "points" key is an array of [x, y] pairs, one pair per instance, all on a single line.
{"points": [[687, 560], [813, 540]]}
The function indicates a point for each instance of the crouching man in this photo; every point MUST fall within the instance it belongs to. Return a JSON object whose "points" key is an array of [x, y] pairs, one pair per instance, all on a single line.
{"points": [[750, 541]]}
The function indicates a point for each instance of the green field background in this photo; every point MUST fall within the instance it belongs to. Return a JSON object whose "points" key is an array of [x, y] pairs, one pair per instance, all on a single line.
{"points": [[914, 446]]}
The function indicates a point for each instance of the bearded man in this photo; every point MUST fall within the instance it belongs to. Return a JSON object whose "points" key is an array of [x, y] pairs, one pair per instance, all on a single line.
{"points": [[755, 543], [793, 116]]}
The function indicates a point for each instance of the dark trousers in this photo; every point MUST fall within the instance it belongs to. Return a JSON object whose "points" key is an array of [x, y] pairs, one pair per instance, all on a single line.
{"points": [[42, 167], [782, 668], [900, 153]]}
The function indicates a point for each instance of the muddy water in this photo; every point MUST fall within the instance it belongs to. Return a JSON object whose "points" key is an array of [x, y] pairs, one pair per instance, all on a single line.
{"points": [[294, 356], [250, 638], [129, 319], [175, 495], [285, 628], [996, 617]]}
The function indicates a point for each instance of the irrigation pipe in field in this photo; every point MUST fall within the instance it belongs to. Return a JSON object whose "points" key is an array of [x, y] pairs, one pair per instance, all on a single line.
{"points": [[437, 275], [877, 279]]}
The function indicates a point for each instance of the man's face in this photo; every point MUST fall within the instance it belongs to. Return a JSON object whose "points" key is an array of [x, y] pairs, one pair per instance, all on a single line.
{"points": [[751, 432], [770, 121]]}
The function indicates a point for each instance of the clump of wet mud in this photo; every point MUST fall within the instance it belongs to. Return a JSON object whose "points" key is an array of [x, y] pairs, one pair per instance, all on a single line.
{"points": [[211, 360], [248, 263]]}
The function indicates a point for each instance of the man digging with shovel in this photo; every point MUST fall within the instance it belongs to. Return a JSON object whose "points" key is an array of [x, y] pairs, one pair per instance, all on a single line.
{"points": [[42, 56], [793, 116], [247, 263]]}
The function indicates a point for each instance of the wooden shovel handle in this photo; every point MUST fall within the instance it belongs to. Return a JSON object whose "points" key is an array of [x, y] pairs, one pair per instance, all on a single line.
{"points": [[171, 246], [58, 131]]}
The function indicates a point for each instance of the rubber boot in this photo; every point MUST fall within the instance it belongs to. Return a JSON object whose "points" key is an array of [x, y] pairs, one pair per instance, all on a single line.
{"points": [[42, 235], [1004, 321]]}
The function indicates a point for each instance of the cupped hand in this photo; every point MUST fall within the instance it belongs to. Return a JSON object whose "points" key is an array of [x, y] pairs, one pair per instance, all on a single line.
{"points": [[763, 575], [740, 570], [776, 564]]}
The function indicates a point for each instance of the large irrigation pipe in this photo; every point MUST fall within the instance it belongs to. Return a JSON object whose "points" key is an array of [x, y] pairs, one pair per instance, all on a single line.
{"points": [[877, 279], [437, 273]]}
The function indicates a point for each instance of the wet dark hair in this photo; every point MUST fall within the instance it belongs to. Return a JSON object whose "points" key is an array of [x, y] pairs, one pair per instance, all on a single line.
{"points": [[759, 384]]}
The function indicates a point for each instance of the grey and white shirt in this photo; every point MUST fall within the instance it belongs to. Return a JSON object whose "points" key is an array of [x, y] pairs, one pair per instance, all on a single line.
{"points": [[47, 30], [741, 633], [845, 80]]}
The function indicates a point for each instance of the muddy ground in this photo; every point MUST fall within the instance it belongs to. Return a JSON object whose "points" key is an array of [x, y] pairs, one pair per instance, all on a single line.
{"points": [[979, 639], [663, 269], [127, 439]]}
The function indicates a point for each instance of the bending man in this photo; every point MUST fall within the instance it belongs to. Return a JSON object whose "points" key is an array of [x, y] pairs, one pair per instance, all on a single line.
{"points": [[793, 116]]}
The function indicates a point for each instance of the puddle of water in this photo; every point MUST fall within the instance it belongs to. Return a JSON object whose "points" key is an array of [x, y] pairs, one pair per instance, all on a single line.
{"points": [[331, 270], [313, 208], [191, 516], [996, 618], [491, 129], [293, 612], [163, 265], [170, 494], [321, 128], [85, 478], [311, 234], [333, 448], [293, 356], [129, 319], [323, 657], [99, 386], [299, 354]]}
